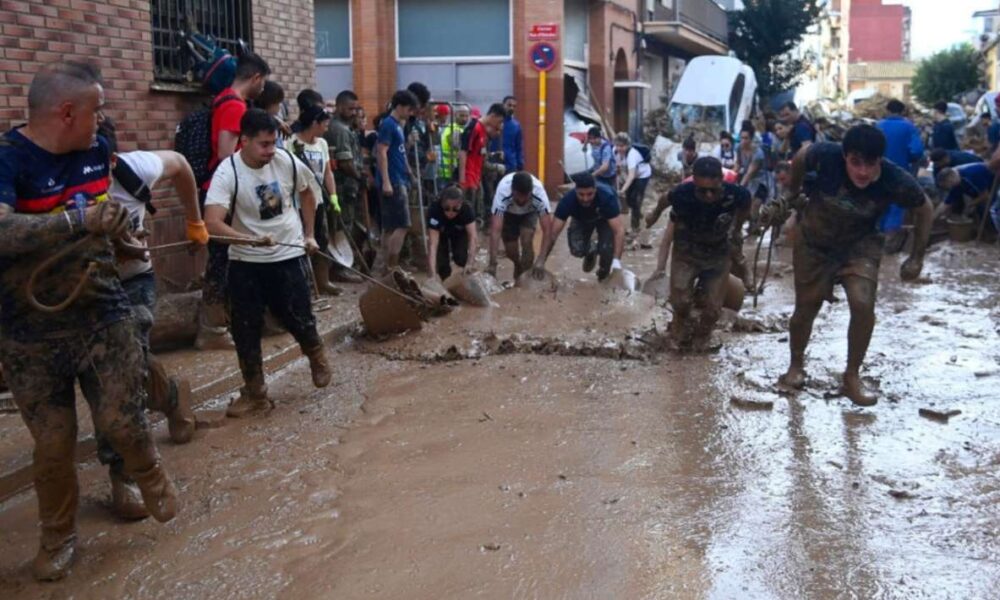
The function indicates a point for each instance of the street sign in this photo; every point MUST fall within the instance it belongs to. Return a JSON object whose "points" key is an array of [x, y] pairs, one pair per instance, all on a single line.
{"points": [[543, 57], [543, 31]]}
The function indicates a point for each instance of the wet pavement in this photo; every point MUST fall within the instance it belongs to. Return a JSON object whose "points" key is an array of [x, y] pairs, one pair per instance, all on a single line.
{"points": [[543, 448]]}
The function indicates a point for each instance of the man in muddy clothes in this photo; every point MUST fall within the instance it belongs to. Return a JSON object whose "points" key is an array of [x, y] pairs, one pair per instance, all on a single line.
{"points": [[849, 189], [54, 178], [256, 187], [519, 204], [593, 207], [707, 217]]}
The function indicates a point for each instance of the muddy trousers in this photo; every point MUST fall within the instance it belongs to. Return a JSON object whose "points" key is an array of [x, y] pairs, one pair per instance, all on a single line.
{"points": [[634, 197], [580, 237], [161, 390], [451, 248], [283, 287], [110, 368]]}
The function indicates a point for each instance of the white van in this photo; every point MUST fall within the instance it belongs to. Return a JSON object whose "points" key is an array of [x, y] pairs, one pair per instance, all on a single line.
{"points": [[715, 89]]}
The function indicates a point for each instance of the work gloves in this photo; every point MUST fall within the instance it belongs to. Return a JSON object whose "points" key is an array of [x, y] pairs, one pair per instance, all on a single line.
{"points": [[197, 232]]}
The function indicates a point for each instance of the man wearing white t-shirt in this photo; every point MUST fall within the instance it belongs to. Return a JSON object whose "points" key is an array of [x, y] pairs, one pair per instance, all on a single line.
{"points": [[134, 175], [638, 173], [518, 205], [258, 186]]}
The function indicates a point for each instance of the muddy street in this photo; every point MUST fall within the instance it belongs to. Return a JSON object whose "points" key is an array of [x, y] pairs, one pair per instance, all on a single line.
{"points": [[543, 448]]}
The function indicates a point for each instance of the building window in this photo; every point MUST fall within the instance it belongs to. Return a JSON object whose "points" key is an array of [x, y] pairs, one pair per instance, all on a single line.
{"points": [[576, 15], [333, 30], [433, 29], [225, 20]]}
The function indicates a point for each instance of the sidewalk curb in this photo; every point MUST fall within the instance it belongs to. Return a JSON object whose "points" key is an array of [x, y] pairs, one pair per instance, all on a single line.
{"points": [[14, 482]]}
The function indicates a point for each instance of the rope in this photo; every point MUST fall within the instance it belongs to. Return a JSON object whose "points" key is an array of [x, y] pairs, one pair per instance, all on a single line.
{"points": [[46, 264]]}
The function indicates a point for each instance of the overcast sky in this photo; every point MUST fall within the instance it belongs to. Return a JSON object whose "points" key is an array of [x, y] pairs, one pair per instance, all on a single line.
{"points": [[940, 24]]}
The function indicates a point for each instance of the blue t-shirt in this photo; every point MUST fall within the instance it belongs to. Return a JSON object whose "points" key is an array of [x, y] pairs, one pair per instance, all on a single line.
{"points": [[802, 132], [605, 153], [604, 207], [703, 228], [944, 136], [957, 158], [903, 144], [977, 178], [390, 133], [37, 182]]}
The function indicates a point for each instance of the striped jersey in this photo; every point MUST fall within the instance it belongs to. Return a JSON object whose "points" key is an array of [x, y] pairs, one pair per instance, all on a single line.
{"points": [[503, 200], [36, 182]]}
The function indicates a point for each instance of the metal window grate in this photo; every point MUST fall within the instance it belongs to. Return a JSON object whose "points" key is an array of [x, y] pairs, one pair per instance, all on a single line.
{"points": [[226, 20]]}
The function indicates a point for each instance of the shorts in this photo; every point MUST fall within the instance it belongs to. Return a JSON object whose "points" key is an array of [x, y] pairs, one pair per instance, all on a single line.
{"points": [[395, 209], [814, 265], [691, 276], [513, 225]]}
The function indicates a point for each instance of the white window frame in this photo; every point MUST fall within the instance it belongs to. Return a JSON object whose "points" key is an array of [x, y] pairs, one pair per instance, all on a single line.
{"points": [[350, 39], [461, 59]]}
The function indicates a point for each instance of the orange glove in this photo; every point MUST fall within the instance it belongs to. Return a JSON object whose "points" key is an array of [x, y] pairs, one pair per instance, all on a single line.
{"points": [[197, 233]]}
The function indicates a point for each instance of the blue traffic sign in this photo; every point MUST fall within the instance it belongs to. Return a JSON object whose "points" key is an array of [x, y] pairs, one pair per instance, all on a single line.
{"points": [[543, 56]]}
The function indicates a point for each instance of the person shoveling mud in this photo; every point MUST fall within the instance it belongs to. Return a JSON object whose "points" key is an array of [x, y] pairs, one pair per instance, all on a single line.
{"points": [[452, 236], [592, 207], [839, 241], [707, 216]]}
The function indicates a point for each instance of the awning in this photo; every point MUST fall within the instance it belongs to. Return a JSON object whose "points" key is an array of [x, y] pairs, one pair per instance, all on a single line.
{"points": [[687, 38]]}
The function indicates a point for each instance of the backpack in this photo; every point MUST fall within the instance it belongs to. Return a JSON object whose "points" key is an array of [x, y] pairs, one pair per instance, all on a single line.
{"points": [[644, 150], [133, 184], [236, 185], [193, 139], [213, 66]]}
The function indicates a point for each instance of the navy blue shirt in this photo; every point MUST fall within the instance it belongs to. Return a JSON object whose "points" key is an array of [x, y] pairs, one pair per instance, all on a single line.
{"points": [[957, 158], [390, 133], [604, 207], [993, 134], [802, 132], [36, 182], [513, 145], [977, 178], [944, 136]]}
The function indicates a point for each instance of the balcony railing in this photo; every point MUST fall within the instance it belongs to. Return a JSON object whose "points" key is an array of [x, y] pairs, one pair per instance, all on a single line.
{"points": [[704, 15]]}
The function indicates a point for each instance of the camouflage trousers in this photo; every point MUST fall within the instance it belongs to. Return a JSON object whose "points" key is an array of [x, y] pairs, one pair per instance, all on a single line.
{"points": [[110, 368]]}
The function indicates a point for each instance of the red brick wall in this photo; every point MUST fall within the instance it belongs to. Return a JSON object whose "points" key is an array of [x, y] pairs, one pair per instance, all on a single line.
{"points": [[374, 38], [116, 35]]}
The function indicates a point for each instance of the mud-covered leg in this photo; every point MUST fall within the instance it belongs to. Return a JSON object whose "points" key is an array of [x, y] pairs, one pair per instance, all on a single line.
{"points": [[861, 294], [808, 301], [112, 377], [713, 285], [287, 295], [41, 377], [682, 281], [247, 315], [527, 250]]}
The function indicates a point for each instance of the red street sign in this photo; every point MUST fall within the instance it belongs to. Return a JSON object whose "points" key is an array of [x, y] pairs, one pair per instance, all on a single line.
{"points": [[543, 31], [543, 57]]}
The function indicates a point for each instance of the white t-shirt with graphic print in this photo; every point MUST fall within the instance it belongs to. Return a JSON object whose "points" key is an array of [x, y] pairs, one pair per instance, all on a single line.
{"points": [[264, 204]]}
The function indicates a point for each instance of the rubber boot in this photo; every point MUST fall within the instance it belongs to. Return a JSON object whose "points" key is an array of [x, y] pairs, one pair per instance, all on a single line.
{"points": [[252, 399], [126, 499], [180, 421], [343, 275], [319, 365], [58, 495], [158, 492], [322, 270], [212, 331]]}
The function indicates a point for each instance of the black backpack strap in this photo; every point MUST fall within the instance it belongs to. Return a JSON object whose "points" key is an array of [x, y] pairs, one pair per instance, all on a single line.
{"points": [[224, 99], [236, 190], [133, 184], [295, 177]]}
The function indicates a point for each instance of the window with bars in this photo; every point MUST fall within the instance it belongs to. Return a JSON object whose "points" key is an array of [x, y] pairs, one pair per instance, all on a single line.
{"points": [[228, 21]]}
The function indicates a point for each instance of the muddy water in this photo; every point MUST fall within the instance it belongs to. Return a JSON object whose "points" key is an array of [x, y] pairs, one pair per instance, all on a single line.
{"points": [[430, 473]]}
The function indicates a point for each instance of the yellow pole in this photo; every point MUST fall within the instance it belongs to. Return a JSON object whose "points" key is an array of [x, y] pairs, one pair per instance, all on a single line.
{"points": [[542, 76]]}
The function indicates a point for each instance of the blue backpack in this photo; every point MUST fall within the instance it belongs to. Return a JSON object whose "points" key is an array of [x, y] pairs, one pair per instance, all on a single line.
{"points": [[212, 64]]}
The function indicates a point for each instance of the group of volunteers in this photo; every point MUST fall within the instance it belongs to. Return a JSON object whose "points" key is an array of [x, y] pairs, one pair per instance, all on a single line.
{"points": [[77, 289]]}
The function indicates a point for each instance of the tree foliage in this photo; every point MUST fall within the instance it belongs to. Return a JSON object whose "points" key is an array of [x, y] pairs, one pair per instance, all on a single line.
{"points": [[947, 73], [763, 36]]}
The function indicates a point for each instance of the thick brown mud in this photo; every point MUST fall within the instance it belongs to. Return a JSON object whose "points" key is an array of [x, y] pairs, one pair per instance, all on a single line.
{"points": [[519, 451]]}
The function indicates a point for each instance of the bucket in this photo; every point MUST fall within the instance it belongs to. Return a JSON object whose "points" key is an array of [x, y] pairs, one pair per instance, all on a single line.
{"points": [[961, 229], [735, 293]]}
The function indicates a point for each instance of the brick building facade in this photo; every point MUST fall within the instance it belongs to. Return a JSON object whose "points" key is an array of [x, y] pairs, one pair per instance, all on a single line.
{"points": [[117, 35]]}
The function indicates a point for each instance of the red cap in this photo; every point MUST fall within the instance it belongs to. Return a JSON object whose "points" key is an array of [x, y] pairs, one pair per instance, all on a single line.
{"points": [[442, 110], [476, 113]]}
